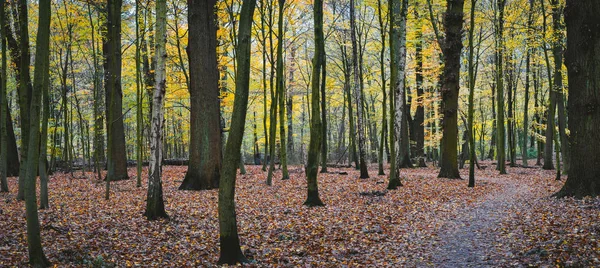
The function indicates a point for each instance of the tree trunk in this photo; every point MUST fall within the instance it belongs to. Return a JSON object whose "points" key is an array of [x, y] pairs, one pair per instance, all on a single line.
{"points": [[364, 173], [557, 52], [41, 83], [3, 106], [451, 49], [24, 90], [204, 169], [526, 128], [324, 143], [548, 151], [419, 119], [43, 159], [312, 165], [231, 252], [155, 206], [500, 135], [398, 64], [282, 95], [98, 117], [139, 95], [471, 67], [383, 21], [117, 158], [582, 57]]}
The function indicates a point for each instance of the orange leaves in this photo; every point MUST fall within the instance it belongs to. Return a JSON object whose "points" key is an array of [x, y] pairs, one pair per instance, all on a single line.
{"points": [[405, 227]]}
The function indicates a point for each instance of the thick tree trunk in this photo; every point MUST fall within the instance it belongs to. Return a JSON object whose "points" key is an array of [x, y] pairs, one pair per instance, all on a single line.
{"points": [[231, 252], [204, 169], [451, 49], [41, 83], [117, 158], [155, 206], [582, 59]]}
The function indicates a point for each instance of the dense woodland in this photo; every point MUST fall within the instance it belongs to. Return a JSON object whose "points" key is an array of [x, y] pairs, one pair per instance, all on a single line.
{"points": [[292, 91]]}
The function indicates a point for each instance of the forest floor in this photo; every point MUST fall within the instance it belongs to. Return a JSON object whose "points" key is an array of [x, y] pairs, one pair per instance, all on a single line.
{"points": [[505, 221]]}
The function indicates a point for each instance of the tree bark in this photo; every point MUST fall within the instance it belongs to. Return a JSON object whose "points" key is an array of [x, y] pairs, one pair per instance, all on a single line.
{"points": [[383, 21], [117, 158], [398, 64], [451, 49], [155, 206], [231, 252], [364, 173], [24, 89], [419, 119], [3, 106], [282, 94], [312, 165], [582, 58], [500, 135], [204, 169], [41, 83]]}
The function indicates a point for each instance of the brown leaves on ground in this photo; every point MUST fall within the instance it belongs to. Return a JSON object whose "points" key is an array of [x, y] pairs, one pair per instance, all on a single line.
{"points": [[375, 228]]}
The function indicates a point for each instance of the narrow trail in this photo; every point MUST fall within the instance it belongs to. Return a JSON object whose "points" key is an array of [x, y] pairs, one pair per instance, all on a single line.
{"points": [[471, 239]]}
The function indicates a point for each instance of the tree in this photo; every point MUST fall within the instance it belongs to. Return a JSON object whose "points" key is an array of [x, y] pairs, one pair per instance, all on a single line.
{"points": [[364, 173], [557, 53], [41, 81], [383, 21], [398, 12], [312, 165], [419, 119], [451, 48], [281, 93], [155, 206], [500, 141], [24, 89], [3, 107], [231, 252], [116, 153], [548, 163], [527, 75], [471, 96], [204, 168], [581, 57]]}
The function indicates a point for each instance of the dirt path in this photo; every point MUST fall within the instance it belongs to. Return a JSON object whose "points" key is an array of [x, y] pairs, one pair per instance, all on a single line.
{"points": [[471, 240]]}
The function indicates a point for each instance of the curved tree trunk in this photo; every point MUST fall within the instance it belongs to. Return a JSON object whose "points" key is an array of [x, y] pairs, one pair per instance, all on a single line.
{"points": [[231, 252], [41, 83]]}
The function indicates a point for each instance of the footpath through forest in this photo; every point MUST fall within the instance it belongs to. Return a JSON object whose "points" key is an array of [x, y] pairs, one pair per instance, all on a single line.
{"points": [[505, 221], [472, 239]]}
